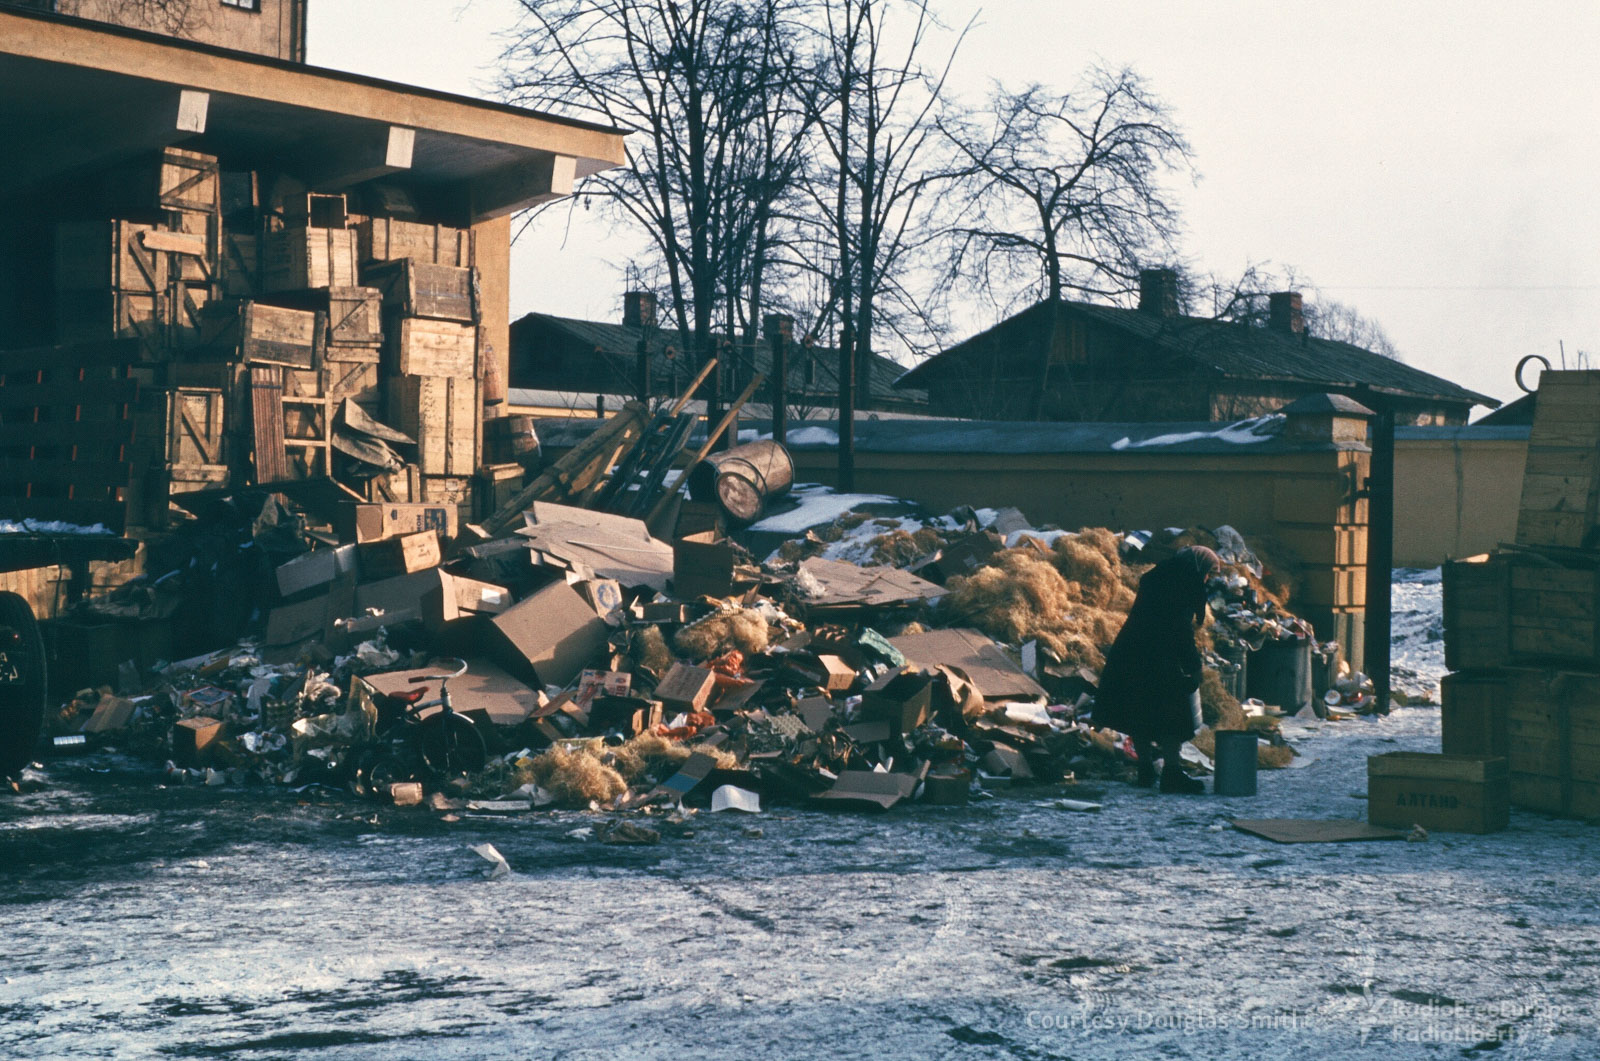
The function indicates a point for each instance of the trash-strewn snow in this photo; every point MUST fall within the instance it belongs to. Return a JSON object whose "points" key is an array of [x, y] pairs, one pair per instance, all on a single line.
{"points": [[1416, 632], [812, 436], [1257, 429], [818, 505], [1047, 537]]}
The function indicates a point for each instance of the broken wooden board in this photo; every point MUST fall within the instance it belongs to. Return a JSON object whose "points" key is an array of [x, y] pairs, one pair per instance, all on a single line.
{"points": [[1314, 830]]}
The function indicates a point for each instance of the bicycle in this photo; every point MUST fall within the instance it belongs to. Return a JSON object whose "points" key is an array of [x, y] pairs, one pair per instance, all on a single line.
{"points": [[442, 745]]}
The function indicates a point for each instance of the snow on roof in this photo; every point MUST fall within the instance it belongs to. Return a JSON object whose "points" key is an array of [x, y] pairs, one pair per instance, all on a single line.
{"points": [[1257, 429]]}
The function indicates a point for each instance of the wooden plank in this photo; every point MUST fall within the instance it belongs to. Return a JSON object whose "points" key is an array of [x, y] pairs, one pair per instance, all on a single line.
{"points": [[196, 420], [67, 432], [266, 412]]}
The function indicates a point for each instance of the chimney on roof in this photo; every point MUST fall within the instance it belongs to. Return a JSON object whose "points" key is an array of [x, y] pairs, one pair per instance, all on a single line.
{"points": [[1158, 292], [1285, 312], [638, 309]]}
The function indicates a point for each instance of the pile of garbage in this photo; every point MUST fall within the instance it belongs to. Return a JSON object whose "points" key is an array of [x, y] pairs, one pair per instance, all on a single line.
{"points": [[868, 661]]}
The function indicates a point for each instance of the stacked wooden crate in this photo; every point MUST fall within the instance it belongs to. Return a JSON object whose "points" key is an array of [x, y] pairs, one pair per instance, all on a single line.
{"points": [[258, 314], [1522, 625]]}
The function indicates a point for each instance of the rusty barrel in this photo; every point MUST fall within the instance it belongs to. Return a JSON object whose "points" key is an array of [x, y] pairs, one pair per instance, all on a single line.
{"points": [[511, 438], [743, 479]]}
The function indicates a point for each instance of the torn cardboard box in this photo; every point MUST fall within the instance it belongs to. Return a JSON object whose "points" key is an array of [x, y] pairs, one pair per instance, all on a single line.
{"points": [[550, 636], [978, 657]]}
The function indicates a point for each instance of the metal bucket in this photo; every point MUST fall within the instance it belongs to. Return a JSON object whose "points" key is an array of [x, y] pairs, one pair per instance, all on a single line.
{"points": [[511, 438], [743, 479], [1235, 763], [1280, 674]]}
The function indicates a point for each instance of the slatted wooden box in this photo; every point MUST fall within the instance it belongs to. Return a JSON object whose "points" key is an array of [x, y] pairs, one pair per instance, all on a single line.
{"points": [[1477, 612], [1561, 482], [421, 289], [442, 415], [300, 259], [267, 335], [1553, 741], [107, 256], [1473, 712], [384, 239], [1554, 611], [418, 347]]}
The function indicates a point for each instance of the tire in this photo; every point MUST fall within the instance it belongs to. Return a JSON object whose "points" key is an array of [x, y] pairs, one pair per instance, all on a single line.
{"points": [[448, 750], [22, 683]]}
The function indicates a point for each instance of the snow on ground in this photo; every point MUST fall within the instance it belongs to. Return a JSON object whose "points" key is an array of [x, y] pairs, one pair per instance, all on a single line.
{"points": [[1416, 639], [49, 526], [818, 506]]}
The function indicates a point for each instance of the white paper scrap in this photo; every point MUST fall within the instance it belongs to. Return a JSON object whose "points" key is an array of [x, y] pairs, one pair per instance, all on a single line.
{"points": [[731, 797]]}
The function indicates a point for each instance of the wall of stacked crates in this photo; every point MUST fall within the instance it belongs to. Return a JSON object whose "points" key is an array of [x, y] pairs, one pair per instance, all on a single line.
{"points": [[1520, 623], [207, 331]]}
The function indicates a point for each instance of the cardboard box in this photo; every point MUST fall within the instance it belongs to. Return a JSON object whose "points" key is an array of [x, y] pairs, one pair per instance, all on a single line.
{"points": [[457, 597], [317, 568], [360, 522], [903, 698], [685, 688], [193, 740], [977, 656], [702, 567], [1446, 793], [947, 789], [111, 714], [484, 687], [868, 790], [289, 623], [404, 554], [816, 712], [549, 637]]}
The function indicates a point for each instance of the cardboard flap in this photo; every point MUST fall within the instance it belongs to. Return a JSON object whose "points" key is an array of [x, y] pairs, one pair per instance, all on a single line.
{"points": [[550, 637], [984, 663]]}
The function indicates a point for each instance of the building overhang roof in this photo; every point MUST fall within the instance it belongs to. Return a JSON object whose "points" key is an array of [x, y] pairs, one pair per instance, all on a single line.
{"points": [[79, 95]]}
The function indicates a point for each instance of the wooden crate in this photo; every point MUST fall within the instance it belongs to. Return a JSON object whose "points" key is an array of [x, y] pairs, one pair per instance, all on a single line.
{"points": [[421, 289], [355, 320], [189, 302], [240, 272], [315, 210], [1553, 741], [188, 181], [418, 347], [107, 256], [96, 316], [1448, 793], [442, 415], [385, 239], [1473, 712], [194, 243], [1553, 613], [301, 259], [1477, 612], [447, 490], [497, 484], [1561, 481], [402, 486], [196, 426], [341, 380], [265, 335]]}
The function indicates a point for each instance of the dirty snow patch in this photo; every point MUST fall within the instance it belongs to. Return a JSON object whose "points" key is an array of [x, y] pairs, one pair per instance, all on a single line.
{"points": [[818, 506], [1416, 632]]}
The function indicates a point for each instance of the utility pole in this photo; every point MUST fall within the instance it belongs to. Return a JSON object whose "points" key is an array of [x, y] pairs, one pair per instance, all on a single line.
{"points": [[1380, 545], [780, 333]]}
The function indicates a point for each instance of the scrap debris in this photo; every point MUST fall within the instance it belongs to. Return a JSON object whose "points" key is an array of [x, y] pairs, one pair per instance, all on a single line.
{"points": [[612, 670]]}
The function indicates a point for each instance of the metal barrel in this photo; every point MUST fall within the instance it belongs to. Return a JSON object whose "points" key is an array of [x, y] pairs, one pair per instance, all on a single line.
{"points": [[743, 479], [1235, 763], [511, 438]]}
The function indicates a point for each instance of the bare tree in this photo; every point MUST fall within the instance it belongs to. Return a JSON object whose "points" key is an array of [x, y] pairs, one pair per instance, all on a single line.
{"points": [[1068, 188], [1328, 319], [1244, 300], [702, 84], [873, 104]]}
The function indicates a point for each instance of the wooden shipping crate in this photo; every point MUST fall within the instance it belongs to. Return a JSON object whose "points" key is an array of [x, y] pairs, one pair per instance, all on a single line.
{"points": [[266, 335], [315, 210], [195, 244], [301, 259], [453, 490], [1553, 741], [1477, 612], [189, 302], [107, 256], [1561, 480], [418, 347], [359, 382], [498, 484], [442, 415], [1448, 793], [96, 316], [421, 289], [188, 181], [240, 271], [1473, 712], [384, 239], [1553, 613], [355, 319], [196, 426]]}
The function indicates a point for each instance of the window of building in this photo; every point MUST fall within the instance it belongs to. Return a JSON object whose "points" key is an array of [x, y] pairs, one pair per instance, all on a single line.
{"points": [[244, 5]]}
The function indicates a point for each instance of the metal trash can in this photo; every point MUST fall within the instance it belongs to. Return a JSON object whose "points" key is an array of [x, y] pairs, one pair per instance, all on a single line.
{"points": [[1235, 763], [743, 479], [1280, 674]]}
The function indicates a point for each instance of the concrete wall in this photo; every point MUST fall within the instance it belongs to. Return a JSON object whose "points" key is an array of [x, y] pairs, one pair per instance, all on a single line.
{"points": [[276, 29], [1457, 491]]}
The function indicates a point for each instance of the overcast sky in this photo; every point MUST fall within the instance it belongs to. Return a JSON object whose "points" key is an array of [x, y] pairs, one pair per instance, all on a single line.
{"points": [[1431, 163]]}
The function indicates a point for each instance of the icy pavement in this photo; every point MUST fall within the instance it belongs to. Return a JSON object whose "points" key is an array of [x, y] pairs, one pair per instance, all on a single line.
{"points": [[1416, 632], [151, 922]]}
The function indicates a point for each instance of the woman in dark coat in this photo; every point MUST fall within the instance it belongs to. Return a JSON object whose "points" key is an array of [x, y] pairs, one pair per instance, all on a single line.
{"points": [[1149, 687]]}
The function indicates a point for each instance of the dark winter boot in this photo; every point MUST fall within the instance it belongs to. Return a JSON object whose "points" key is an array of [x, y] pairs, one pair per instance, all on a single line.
{"points": [[1147, 764]]}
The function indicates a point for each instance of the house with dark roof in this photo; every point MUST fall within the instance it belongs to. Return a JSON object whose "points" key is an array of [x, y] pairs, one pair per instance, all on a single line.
{"points": [[1083, 361], [601, 360]]}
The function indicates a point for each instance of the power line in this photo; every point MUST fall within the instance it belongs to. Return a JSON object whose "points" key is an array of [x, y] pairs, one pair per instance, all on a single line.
{"points": [[1458, 287]]}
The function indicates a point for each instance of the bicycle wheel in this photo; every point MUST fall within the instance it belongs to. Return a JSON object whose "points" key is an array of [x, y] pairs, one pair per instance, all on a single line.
{"points": [[22, 683], [451, 744]]}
